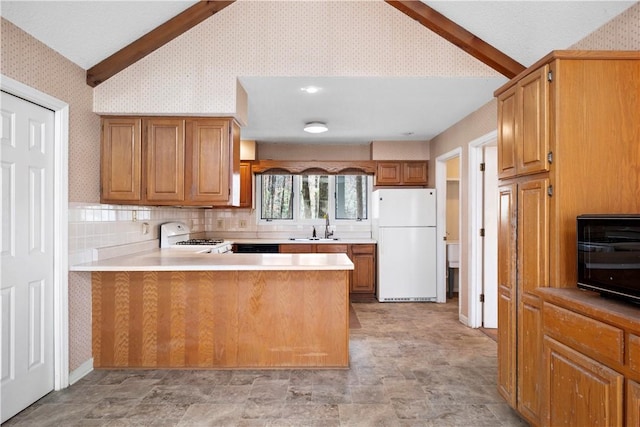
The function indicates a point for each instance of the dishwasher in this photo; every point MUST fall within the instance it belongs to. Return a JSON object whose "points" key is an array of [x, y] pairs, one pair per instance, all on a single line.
{"points": [[256, 248]]}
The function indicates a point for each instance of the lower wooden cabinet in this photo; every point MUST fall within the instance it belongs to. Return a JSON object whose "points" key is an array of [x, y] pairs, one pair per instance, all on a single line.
{"points": [[582, 391], [633, 403], [362, 278], [590, 376], [364, 269]]}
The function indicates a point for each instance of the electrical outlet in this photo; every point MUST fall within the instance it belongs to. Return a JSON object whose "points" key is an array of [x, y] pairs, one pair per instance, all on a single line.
{"points": [[220, 224], [243, 223]]}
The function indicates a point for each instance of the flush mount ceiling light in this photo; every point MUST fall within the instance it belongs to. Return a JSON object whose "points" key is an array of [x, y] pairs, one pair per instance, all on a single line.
{"points": [[315, 127], [310, 89]]}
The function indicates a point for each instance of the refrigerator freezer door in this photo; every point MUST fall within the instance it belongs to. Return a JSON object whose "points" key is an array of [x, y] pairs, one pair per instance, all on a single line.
{"points": [[405, 207], [407, 264]]}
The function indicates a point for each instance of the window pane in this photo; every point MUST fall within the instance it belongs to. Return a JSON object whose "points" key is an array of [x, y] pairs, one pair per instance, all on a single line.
{"points": [[277, 200], [351, 197], [314, 196]]}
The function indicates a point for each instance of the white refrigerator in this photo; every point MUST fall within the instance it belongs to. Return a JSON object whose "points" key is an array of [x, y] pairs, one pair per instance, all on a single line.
{"points": [[404, 225]]}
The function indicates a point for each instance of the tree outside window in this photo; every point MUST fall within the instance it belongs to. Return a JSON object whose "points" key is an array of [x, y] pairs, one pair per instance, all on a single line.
{"points": [[277, 200], [313, 197]]}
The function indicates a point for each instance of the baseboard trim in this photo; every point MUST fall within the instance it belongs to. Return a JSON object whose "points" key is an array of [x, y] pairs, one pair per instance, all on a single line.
{"points": [[463, 319], [82, 370]]}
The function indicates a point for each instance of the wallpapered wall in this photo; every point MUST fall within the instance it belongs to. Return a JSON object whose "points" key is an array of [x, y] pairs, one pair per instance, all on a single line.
{"points": [[286, 38], [621, 33], [30, 62]]}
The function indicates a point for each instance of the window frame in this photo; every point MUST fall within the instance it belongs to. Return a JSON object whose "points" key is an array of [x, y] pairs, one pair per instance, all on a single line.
{"points": [[331, 208]]}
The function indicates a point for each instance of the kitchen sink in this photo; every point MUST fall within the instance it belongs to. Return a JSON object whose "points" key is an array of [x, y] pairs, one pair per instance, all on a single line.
{"points": [[313, 239]]}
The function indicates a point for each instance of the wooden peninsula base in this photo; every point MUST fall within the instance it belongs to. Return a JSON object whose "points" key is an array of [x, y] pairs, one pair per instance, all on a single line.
{"points": [[220, 319]]}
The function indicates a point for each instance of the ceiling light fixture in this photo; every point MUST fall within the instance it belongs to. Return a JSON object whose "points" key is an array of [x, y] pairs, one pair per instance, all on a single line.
{"points": [[310, 89], [315, 127]]}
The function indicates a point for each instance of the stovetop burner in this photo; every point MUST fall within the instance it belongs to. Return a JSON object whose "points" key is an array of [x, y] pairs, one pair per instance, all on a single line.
{"points": [[200, 242]]}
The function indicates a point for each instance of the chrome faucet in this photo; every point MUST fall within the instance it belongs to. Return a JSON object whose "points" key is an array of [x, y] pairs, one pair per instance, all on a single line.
{"points": [[327, 233]]}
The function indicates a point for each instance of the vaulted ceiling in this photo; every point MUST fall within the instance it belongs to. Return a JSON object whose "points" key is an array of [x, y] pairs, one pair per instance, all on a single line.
{"points": [[105, 36]]}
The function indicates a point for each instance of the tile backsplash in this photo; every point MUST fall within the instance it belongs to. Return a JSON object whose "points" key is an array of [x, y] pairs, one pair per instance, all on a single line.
{"points": [[96, 230], [94, 226]]}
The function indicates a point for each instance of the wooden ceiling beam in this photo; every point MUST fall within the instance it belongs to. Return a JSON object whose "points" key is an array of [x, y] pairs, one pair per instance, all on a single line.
{"points": [[460, 37], [153, 40]]}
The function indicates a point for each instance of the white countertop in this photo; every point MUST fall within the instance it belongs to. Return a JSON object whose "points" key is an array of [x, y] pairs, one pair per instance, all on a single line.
{"points": [[283, 241], [189, 259]]}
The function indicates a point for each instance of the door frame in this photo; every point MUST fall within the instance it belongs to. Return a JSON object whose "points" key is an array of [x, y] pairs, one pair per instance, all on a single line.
{"points": [[476, 218], [60, 222], [441, 225]]}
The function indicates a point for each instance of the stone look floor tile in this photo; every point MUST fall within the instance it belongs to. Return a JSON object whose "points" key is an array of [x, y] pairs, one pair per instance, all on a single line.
{"points": [[410, 365]]}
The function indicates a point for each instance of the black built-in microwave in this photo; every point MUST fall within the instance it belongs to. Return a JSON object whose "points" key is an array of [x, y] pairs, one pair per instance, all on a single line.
{"points": [[609, 255]]}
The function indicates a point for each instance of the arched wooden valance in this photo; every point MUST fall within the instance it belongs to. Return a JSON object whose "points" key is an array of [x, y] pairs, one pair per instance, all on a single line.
{"points": [[314, 167]]}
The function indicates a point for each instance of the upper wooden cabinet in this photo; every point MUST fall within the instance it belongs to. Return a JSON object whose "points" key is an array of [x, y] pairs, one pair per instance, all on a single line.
{"points": [[398, 173], [121, 160], [246, 185], [191, 162], [164, 161], [523, 126], [209, 149]]}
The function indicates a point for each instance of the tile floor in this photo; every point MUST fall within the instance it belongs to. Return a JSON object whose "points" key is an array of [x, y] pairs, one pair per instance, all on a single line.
{"points": [[412, 364]]}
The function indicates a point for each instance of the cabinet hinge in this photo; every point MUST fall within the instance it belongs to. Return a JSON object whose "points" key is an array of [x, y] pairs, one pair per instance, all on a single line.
{"points": [[550, 157], [482, 232], [550, 76], [481, 297], [482, 166], [550, 190]]}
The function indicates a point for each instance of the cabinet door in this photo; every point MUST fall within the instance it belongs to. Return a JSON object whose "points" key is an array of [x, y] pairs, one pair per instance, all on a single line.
{"points": [[533, 235], [207, 177], [507, 134], [532, 272], [121, 160], [633, 403], [165, 161], [529, 359], [363, 277], [414, 173], [246, 185], [388, 173], [581, 391], [507, 226], [532, 123]]}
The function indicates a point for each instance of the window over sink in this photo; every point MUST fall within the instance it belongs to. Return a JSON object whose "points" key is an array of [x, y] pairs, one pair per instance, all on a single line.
{"points": [[306, 198]]}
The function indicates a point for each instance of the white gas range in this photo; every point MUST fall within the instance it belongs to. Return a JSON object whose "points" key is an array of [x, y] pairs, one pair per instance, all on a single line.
{"points": [[178, 235]]}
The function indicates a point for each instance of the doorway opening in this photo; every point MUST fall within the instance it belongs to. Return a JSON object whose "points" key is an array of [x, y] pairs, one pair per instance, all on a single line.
{"points": [[448, 183], [483, 216]]}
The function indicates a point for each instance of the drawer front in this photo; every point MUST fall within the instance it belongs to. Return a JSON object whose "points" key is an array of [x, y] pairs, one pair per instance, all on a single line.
{"points": [[363, 249], [634, 353], [296, 248], [331, 249], [584, 334]]}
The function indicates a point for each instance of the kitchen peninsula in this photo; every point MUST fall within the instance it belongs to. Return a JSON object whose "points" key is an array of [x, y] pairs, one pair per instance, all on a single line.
{"points": [[172, 308]]}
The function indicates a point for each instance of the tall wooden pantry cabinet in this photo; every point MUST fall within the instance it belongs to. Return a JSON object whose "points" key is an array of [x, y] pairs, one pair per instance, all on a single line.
{"points": [[568, 144]]}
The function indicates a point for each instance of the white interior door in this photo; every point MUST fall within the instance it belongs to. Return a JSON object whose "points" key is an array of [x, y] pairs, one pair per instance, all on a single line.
{"points": [[490, 241], [26, 291]]}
